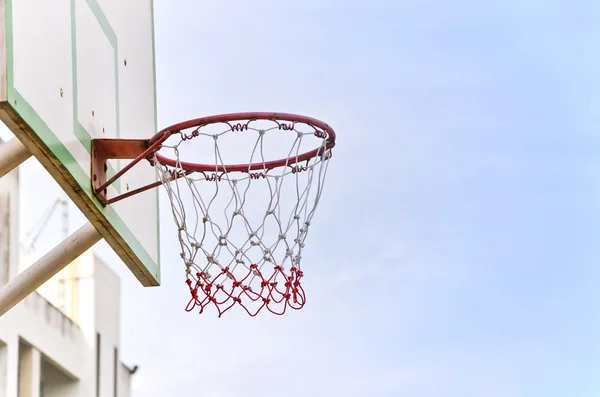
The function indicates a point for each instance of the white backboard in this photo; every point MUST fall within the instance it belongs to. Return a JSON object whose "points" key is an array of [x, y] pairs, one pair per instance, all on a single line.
{"points": [[74, 70]]}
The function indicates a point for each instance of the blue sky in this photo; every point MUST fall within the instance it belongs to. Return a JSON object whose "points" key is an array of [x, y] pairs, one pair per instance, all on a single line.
{"points": [[455, 251]]}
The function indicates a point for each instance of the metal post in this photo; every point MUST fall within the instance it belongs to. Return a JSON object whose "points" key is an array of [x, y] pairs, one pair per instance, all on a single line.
{"points": [[12, 154], [41, 271]]}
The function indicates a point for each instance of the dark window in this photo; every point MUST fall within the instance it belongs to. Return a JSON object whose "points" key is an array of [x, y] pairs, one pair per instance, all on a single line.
{"points": [[97, 364], [115, 372]]}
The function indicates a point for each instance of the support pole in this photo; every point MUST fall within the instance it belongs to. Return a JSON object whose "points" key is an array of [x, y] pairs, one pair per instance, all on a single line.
{"points": [[41, 271], [12, 154]]}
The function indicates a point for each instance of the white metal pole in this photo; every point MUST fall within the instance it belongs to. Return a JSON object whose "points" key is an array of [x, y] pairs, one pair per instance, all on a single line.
{"points": [[12, 153], [41, 271]]}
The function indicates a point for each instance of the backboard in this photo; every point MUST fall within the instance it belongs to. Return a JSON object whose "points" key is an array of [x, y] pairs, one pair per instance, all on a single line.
{"points": [[75, 70]]}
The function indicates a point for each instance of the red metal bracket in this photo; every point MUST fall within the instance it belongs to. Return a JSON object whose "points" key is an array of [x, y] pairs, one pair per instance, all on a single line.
{"points": [[105, 149]]}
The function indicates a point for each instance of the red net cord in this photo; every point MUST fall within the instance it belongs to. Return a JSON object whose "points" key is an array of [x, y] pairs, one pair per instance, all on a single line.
{"points": [[274, 296]]}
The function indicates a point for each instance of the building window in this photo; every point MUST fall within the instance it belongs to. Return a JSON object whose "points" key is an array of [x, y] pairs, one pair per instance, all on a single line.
{"points": [[115, 372], [97, 364]]}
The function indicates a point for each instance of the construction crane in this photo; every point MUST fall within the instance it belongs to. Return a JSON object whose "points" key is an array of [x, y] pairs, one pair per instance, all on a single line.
{"points": [[29, 240]]}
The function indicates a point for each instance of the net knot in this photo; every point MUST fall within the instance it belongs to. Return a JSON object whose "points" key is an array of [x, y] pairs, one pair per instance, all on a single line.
{"points": [[299, 242]]}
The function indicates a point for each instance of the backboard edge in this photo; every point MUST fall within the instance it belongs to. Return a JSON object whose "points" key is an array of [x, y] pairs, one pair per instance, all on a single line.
{"points": [[10, 117]]}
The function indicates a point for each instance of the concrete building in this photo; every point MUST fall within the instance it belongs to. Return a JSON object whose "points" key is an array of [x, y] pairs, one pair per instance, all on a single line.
{"points": [[64, 339]]}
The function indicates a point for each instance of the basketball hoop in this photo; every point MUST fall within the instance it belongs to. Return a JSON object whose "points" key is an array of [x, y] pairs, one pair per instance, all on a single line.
{"points": [[242, 218]]}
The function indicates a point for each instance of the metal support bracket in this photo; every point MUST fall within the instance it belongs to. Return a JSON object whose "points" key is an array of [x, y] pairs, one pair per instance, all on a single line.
{"points": [[41, 271], [106, 149], [136, 149], [12, 154]]}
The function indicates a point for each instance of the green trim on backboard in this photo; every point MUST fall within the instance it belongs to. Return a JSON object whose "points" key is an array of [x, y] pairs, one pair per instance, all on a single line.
{"points": [[111, 36], [155, 120], [9, 46], [81, 133], [50, 140]]}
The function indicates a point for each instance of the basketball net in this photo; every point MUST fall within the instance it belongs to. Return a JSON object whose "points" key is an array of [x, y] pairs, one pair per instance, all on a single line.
{"points": [[242, 232]]}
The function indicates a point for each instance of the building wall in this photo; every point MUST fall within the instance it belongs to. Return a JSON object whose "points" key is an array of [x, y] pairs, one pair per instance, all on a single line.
{"points": [[4, 236], [9, 342], [108, 315], [124, 379], [3, 368], [48, 341], [9, 225]]}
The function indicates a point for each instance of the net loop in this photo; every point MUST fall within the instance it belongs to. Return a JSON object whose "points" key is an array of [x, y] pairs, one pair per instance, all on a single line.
{"points": [[242, 219]]}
